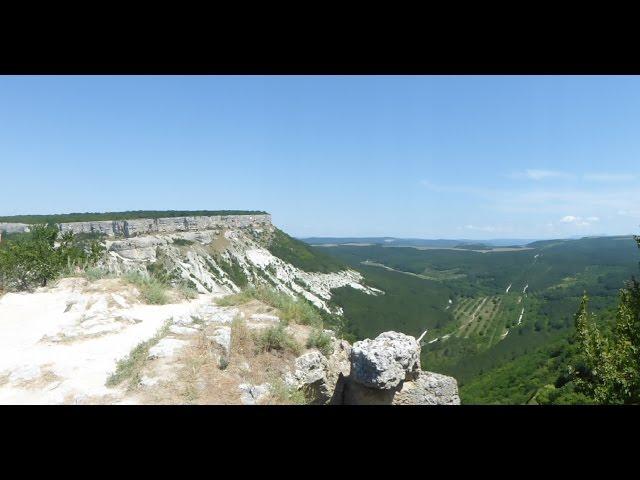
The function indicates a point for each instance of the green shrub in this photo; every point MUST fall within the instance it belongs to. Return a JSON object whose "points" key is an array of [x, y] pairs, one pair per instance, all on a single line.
{"points": [[187, 290], [276, 338], [153, 291], [236, 298], [182, 242], [94, 273], [292, 310], [234, 271], [283, 394], [35, 258], [320, 340]]}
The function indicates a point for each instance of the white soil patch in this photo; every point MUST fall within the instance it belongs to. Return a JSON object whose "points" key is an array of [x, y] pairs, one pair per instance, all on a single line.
{"points": [[51, 351]]}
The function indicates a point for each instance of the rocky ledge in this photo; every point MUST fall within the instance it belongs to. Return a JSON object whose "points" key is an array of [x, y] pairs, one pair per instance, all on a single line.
{"points": [[382, 371]]}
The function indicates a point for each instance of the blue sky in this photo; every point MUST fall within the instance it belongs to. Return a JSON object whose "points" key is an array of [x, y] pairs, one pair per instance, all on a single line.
{"points": [[411, 156]]}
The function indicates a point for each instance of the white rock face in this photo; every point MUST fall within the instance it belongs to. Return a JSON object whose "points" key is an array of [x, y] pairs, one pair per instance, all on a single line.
{"points": [[309, 368], [251, 394], [428, 389], [222, 338], [142, 226], [178, 330], [385, 361], [166, 348], [263, 317]]}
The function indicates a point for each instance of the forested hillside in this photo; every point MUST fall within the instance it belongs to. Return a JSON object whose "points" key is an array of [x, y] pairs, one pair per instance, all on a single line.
{"points": [[499, 322]]}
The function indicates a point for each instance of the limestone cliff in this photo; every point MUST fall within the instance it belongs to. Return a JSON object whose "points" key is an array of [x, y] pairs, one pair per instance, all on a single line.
{"points": [[216, 254]]}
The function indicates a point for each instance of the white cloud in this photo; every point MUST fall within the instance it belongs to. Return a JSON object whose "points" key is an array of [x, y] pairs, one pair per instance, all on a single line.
{"points": [[578, 221], [539, 174], [610, 177], [542, 174]]}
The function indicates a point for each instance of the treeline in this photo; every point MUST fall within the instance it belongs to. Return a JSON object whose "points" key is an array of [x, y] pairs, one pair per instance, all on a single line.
{"points": [[128, 215], [33, 259]]}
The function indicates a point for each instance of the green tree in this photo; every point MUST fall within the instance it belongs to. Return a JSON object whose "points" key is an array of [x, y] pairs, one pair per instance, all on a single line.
{"points": [[41, 256], [607, 367]]}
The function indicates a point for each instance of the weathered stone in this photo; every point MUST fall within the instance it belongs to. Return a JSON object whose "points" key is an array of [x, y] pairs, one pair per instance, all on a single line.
{"points": [[165, 348], [222, 338], [145, 226], [310, 368], [179, 330], [428, 389], [386, 361], [252, 394]]}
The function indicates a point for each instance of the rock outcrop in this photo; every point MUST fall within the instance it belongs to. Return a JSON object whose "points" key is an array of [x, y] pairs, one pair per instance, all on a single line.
{"points": [[386, 361], [382, 371], [146, 226]]}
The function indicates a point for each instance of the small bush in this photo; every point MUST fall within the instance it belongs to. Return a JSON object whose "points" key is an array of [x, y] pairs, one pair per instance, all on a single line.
{"points": [[187, 290], [236, 298], [282, 394], [153, 291], [93, 274], [320, 340], [292, 310], [183, 242], [276, 338]]}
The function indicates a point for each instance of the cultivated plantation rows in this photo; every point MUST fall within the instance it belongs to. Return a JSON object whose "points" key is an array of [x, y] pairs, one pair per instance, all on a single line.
{"points": [[487, 319]]}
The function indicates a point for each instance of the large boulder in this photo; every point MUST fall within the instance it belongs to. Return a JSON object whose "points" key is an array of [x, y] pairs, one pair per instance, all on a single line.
{"points": [[428, 389], [321, 377], [382, 371], [386, 361]]}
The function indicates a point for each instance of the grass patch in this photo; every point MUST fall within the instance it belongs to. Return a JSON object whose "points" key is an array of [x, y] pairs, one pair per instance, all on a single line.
{"points": [[292, 310], [187, 290], [276, 339], [236, 298], [280, 393], [320, 340], [129, 367], [182, 242], [153, 290], [95, 273]]}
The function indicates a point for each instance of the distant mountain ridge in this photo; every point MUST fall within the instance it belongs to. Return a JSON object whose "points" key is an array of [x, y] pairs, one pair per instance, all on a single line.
{"points": [[415, 242]]}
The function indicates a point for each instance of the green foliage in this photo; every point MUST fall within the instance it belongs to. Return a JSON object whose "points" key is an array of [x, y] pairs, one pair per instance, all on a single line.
{"points": [[182, 242], [294, 310], [129, 367], [285, 394], [43, 254], [152, 289], [276, 338], [607, 367], [236, 298], [187, 290], [93, 273], [320, 340], [301, 255], [128, 215], [235, 272], [490, 368]]}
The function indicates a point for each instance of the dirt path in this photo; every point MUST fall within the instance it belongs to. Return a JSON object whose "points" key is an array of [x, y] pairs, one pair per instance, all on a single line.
{"points": [[59, 345]]}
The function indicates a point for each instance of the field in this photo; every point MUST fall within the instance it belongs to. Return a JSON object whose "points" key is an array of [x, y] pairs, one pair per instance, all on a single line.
{"points": [[489, 314]]}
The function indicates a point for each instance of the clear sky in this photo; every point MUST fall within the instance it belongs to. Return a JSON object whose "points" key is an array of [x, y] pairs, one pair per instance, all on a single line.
{"points": [[430, 157]]}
